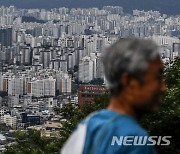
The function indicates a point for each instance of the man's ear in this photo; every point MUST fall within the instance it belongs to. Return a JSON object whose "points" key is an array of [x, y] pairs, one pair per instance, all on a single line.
{"points": [[128, 80], [125, 79]]}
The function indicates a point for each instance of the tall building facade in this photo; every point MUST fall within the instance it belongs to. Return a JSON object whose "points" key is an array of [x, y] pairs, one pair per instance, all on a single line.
{"points": [[6, 37], [86, 70]]}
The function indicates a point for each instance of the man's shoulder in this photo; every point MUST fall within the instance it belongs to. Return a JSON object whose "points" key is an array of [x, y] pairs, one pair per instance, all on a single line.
{"points": [[127, 125], [118, 123]]}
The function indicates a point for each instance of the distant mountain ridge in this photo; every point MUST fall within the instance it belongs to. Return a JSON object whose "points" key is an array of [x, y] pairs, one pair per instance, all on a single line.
{"points": [[164, 6]]}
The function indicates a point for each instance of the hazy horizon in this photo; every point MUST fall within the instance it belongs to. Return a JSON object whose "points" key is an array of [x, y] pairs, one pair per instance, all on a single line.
{"points": [[164, 6]]}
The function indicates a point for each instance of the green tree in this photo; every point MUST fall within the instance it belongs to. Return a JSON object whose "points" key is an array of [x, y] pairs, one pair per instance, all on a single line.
{"points": [[72, 115], [164, 123], [167, 121], [31, 142]]}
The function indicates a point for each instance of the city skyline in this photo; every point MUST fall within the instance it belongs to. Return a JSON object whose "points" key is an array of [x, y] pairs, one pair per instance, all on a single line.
{"points": [[164, 6]]}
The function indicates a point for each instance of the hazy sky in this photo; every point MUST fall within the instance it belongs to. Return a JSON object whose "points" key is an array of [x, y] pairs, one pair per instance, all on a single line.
{"points": [[165, 6]]}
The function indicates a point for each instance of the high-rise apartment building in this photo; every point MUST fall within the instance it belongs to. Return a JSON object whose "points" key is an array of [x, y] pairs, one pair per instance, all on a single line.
{"points": [[6, 37]]}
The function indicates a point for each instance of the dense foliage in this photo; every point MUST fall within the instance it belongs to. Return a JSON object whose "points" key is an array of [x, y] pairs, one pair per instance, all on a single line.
{"points": [[31, 142], [167, 121]]}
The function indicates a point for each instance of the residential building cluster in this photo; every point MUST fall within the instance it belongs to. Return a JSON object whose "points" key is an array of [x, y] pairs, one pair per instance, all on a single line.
{"points": [[52, 57]]}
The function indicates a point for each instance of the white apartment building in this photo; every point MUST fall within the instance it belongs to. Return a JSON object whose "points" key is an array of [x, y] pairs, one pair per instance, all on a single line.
{"points": [[42, 87], [66, 84], [8, 120], [49, 87], [86, 70], [63, 83], [15, 86], [165, 40]]}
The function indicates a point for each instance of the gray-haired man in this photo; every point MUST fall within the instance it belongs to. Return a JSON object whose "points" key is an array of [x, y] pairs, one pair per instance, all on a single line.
{"points": [[134, 72]]}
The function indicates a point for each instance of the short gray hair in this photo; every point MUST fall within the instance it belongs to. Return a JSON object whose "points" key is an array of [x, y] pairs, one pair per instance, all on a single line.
{"points": [[128, 55]]}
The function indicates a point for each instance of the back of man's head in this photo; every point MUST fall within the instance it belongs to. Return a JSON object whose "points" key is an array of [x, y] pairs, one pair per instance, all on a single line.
{"points": [[128, 55]]}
